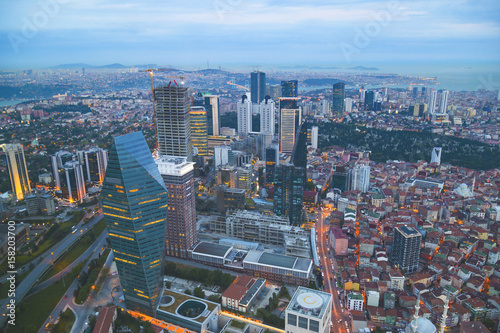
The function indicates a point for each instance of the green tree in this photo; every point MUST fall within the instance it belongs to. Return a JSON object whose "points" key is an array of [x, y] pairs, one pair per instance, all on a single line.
{"points": [[198, 292]]}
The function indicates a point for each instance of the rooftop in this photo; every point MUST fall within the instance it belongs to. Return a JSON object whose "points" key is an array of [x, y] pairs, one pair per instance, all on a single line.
{"points": [[211, 249], [309, 302]]}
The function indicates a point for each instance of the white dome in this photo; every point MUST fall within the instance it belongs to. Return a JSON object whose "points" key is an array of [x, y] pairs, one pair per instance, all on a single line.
{"points": [[424, 325]]}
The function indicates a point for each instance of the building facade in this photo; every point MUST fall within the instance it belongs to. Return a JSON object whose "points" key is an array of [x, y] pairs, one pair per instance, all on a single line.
{"points": [[267, 116], [244, 113], [289, 192], [406, 248], [257, 86], [309, 311], [135, 201], [199, 129], [338, 98], [94, 162], [18, 172]]}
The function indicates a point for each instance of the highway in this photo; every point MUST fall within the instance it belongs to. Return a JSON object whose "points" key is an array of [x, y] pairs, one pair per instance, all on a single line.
{"points": [[340, 315]]}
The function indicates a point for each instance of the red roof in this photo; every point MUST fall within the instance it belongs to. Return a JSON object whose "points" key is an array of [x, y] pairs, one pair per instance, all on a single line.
{"points": [[105, 319]]}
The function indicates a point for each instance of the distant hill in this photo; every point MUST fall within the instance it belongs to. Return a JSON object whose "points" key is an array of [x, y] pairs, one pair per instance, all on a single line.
{"points": [[83, 65], [322, 82], [363, 68]]}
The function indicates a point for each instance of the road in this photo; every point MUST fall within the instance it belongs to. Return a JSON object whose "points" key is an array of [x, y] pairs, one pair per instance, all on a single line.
{"points": [[82, 311], [339, 315]]}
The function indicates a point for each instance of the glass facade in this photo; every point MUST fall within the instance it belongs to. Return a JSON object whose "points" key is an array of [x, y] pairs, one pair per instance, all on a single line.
{"points": [[18, 172], [338, 98], [199, 129], [289, 192], [135, 200], [258, 87]]}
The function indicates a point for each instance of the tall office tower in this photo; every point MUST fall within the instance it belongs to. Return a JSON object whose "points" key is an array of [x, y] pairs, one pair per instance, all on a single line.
{"points": [[443, 104], [57, 161], [362, 93], [274, 91], [415, 92], [369, 100], [244, 111], [178, 175], [406, 248], [199, 130], [267, 116], [289, 192], [348, 105], [18, 172], [94, 162], [290, 88], [338, 98], [314, 137], [424, 91], [287, 130], [172, 121], [135, 200], [212, 107], [72, 181], [431, 108], [272, 159], [325, 107], [222, 155], [257, 86], [359, 178], [299, 153], [436, 155]]}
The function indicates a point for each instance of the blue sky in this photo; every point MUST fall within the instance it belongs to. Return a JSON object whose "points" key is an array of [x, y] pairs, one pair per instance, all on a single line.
{"points": [[229, 33]]}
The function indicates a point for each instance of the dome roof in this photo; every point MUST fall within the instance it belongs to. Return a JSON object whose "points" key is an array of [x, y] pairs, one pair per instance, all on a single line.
{"points": [[424, 325]]}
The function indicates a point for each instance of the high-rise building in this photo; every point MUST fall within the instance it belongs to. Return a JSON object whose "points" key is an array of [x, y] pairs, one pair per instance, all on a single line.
{"points": [[359, 178], [244, 177], [211, 103], [18, 172], [289, 88], [223, 155], [325, 107], [348, 105], [436, 155], [406, 248], [267, 116], [272, 159], [309, 311], [178, 175], [72, 181], [172, 121], [135, 201], [415, 92], [299, 153], [431, 108], [57, 161], [94, 162], [257, 86], [289, 192], [314, 137], [338, 98], [244, 112], [443, 104], [287, 129], [369, 100], [199, 129]]}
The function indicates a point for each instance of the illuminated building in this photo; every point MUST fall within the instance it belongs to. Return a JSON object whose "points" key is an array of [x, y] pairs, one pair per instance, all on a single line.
{"points": [[338, 99], [18, 172], [431, 108], [72, 182], [135, 200], [406, 248], [199, 134], [272, 158], [443, 104], [287, 129], [257, 86], [94, 162], [178, 175], [172, 121], [369, 100], [57, 161]]}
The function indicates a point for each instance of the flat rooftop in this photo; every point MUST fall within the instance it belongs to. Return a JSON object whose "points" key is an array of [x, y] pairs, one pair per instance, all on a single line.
{"points": [[409, 231], [211, 249], [278, 260], [309, 302]]}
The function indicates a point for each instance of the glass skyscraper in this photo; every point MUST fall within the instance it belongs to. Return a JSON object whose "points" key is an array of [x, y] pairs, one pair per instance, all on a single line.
{"points": [[199, 129], [338, 98], [257, 86], [135, 200], [18, 172], [289, 192]]}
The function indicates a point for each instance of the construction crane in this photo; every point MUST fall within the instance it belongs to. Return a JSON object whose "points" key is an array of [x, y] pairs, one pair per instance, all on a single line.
{"points": [[151, 71]]}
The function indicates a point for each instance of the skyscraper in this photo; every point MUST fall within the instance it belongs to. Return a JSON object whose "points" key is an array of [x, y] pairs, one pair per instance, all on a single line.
{"points": [[359, 178], [57, 161], [199, 130], [314, 137], [172, 121], [72, 181], [369, 100], [18, 172], [267, 116], [443, 104], [432, 102], [244, 112], [257, 86], [289, 88], [299, 153], [289, 192], [287, 130], [212, 107], [338, 98], [272, 159], [135, 200], [94, 162], [178, 175], [406, 248]]}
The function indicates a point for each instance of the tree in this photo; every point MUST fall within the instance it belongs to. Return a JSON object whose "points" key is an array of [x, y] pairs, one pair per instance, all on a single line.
{"points": [[170, 268], [168, 284], [198, 292], [187, 292], [214, 298]]}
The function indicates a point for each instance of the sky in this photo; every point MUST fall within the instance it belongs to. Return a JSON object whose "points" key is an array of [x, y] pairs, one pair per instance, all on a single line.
{"points": [[232, 33]]}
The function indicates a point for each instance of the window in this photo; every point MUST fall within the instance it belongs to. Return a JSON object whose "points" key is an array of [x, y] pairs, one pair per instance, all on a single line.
{"points": [[292, 319], [314, 325], [303, 322]]}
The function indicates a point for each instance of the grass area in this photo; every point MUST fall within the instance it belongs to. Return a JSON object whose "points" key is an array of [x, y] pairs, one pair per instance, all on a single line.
{"points": [[88, 280], [238, 324], [77, 250], [66, 321], [179, 299], [31, 315]]}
